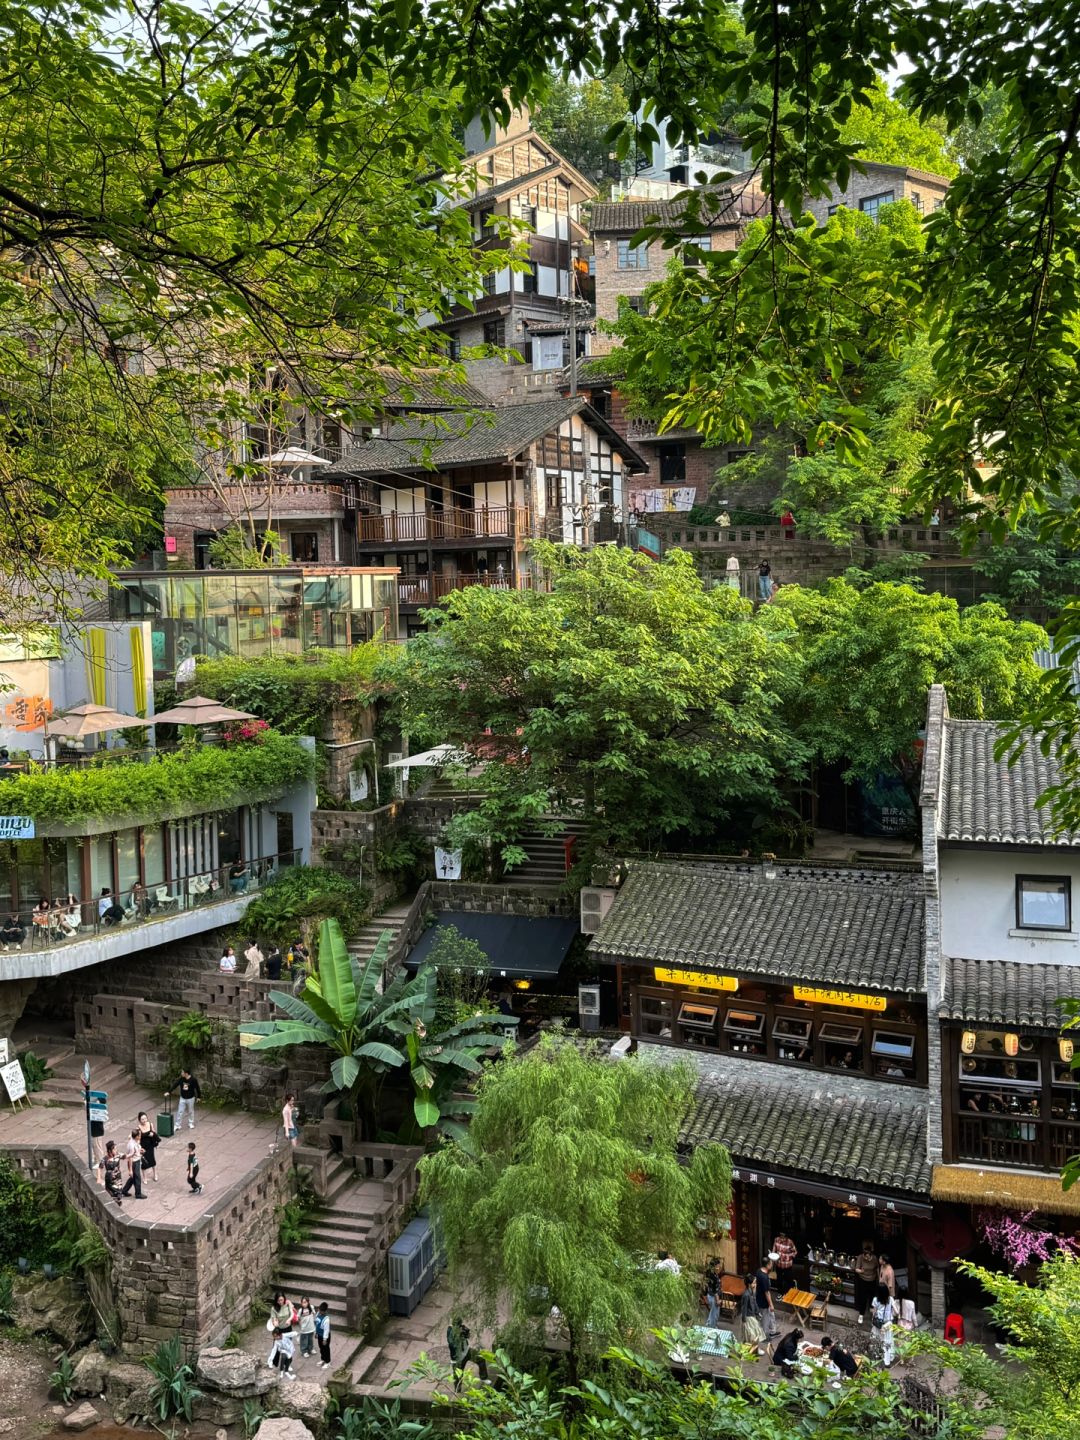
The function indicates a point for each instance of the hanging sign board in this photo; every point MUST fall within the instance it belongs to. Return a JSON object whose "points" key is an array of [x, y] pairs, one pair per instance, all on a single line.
{"points": [[99, 1106], [14, 1080], [16, 827], [847, 999], [3, 1052], [701, 978]]}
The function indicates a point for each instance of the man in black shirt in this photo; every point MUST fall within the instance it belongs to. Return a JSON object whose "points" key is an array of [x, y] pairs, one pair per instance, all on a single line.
{"points": [[273, 963], [763, 1293], [189, 1093], [843, 1359]]}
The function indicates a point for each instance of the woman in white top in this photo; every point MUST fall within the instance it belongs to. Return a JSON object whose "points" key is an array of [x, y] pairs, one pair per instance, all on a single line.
{"points": [[227, 963], [882, 1315], [909, 1316], [288, 1119]]}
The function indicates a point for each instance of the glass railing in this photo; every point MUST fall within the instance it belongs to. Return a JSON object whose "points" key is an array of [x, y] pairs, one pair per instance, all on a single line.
{"points": [[140, 906]]}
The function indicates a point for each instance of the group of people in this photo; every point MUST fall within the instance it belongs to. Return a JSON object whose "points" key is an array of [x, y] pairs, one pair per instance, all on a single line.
{"points": [[876, 1298], [124, 1174], [264, 967], [309, 1324]]}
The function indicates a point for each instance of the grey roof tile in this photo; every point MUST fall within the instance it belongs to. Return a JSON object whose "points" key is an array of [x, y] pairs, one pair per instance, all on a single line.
{"points": [[625, 217], [823, 1125], [1007, 992], [847, 928], [989, 800]]}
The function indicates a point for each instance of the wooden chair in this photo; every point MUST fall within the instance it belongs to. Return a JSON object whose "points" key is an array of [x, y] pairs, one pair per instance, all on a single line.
{"points": [[819, 1313]]}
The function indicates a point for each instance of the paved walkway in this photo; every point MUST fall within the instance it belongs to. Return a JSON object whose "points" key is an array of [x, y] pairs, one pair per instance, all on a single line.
{"points": [[230, 1142]]}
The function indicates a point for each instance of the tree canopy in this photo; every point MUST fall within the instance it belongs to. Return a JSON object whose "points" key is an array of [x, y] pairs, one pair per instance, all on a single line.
{"points": [[571, 1184], [576, 115], [629, 691]]}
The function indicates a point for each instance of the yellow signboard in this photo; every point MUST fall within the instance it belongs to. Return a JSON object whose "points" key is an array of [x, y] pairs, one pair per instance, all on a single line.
{"points": [[701, 978], [851, 999]]}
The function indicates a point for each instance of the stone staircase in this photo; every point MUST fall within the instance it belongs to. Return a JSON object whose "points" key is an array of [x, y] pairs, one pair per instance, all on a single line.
{"points": [[324, 1263], [546, 864], [393, 919]]}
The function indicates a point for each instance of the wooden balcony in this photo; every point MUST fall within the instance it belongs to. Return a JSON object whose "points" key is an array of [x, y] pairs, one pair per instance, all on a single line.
{"points": [[1023, 1142], [420, 590], [488, 522]]}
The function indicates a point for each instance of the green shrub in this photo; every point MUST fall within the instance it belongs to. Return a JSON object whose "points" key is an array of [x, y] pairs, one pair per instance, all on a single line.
{"points": [[195, 779], [185, 1038], [19, 1222], [35, 1071], [298, 897], [60, 1381], [403, 856], [295, 693], [171, 1389]]}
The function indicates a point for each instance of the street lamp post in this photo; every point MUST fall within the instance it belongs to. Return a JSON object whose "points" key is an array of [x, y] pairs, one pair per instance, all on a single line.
{"points": [[86, 1097]]}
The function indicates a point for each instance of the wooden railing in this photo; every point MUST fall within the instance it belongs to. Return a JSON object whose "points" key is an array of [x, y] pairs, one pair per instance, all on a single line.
{"points": [[429, 589], [1029, 1142], [479, 524]]}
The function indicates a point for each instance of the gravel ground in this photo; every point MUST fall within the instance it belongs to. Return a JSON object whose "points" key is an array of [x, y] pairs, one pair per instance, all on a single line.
{"points": [[26, 1411]]}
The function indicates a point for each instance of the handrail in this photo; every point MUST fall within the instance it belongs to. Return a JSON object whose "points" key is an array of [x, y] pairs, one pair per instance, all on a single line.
{"points": [[484, 522], [144, 905]]}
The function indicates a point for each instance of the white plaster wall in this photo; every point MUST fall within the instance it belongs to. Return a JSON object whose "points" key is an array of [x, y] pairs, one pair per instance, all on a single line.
{"points": [[978, 906]]}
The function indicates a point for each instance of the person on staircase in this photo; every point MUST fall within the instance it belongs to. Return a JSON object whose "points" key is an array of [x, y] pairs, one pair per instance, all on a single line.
{"points": [[322, 1334]]}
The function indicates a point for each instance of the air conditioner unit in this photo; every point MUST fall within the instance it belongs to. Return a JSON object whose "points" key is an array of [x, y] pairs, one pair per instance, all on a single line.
{"points": [[595, 904], [411, 1266], [588, 999]]}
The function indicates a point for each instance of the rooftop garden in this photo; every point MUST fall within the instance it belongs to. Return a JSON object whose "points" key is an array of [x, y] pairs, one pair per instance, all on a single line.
{"points": [[294, 693], [194, 779]]}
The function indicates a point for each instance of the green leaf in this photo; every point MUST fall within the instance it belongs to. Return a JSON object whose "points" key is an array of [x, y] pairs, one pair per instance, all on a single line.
{"points": [[426, 1112], [335, 973]]}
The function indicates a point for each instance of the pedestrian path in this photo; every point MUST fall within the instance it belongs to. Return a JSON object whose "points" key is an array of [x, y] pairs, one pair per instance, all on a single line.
{"points": [[363, 946], [230, 1143]]}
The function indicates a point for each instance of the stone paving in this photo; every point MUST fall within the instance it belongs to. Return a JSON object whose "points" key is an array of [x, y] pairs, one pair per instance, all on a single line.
{"points": [[229, 1142]]}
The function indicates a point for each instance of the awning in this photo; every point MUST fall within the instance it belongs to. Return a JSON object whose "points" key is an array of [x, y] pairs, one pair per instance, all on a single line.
{"points": [[1002, 1190], [865, 1199], [440, 755], [517, 946]]}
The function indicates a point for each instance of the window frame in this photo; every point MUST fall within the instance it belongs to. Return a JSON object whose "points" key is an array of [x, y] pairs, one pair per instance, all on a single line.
{"points": [[1045, 880], [624, 251], [871, 204]]}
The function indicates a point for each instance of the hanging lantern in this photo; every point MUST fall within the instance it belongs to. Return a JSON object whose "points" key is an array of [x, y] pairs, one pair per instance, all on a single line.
{"points": [[1012, 1043], [967, 1042], [1065, 1049]]}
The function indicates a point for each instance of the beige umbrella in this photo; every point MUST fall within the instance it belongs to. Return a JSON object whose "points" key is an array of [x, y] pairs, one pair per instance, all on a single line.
{"points": [[85, 720], [199, 711]]}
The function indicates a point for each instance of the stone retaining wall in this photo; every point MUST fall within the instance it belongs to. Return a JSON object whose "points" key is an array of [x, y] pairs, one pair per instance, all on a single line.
{"points": [[197, 1281]]}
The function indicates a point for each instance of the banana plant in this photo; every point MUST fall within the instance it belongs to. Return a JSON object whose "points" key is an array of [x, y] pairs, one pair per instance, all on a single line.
{"points": [[373, 1031]]}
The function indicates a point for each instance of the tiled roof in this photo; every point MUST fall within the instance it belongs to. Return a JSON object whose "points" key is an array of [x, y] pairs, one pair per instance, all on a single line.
{"points": [[431, 390], [843, 927], [625, 217], [457, 439], [1006, 992], [984, 799], [822, 1125], [453, 439]]}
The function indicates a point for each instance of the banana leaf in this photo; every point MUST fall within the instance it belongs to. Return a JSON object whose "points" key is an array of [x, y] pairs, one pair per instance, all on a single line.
{"points": [[335, 973]]}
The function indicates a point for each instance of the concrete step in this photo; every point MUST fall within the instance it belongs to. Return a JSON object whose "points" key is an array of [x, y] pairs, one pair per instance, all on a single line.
{"points": [[340, 1225], [303, 1260], [332, 1247], [364, 1362]]}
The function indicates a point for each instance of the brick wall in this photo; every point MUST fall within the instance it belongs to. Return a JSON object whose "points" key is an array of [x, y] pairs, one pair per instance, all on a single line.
{"points": [[197, 1281], [613, 283], [914, 185], [333, 831]]}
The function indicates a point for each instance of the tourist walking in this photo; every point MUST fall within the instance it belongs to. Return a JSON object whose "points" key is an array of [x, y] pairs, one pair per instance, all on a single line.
{"points": [[786, 1254], [866, 1278], [133, 1159], [227, 963], [110, 1171], [282, 1354], [254, 957], [748, 1316], [711, 1292], [307, 1328], [150, 1140], [189, 1093], [322, 1334], [909, 1316], [882, 1338], [764, 581], [887, 1275], [457, 1340], [193, 1169], [288, 1119], [763, 1295]]}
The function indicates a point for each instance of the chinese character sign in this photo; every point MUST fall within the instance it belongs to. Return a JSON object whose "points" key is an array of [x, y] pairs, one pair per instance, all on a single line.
{"points": [[28, 712]]}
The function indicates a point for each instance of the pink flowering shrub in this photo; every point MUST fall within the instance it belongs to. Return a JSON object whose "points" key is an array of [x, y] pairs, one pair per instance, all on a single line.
{"points": [[246, 731], [1020, 1243]]}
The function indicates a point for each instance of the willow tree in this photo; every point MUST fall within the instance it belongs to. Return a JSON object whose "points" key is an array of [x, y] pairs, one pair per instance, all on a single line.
{"points": [[570, 1185]]}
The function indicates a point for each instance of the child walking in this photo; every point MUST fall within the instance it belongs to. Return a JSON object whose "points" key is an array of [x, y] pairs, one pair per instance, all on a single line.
{"points": [[283, 1353], [193, 1169], [322, 1334], [307, 1328]]}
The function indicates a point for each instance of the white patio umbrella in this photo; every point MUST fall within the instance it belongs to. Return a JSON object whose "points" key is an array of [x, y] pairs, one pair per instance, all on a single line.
{"points": [[200, 711], [83, 720]]}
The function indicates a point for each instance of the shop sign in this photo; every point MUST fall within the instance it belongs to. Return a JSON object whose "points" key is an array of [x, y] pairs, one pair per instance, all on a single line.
{"points": [[831, 1192], [700, 978], [28, 712], [850, 999], [16, 827]]}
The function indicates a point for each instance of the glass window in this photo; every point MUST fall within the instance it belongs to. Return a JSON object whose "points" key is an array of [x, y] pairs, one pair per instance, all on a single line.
{"points": [[655, 1016], [1043, 902], [998, 1070], [842, 1034], [873, 203], [632, 257], [101, 864], [744, 1022], [791, 1029], [127, 863], [253, 615], [154, 855], [894, 1055], [693, 247], [886, 1043], [286, 607], [702, 1017]]}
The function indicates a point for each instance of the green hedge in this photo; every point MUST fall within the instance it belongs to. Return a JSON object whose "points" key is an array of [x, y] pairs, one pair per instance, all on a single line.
{"points": [[196, 779], [297, 898]]}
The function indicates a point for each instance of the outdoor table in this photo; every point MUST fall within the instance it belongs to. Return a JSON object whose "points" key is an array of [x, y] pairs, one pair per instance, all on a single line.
{"points": [[732, 1285], [712, 1341], [800, 1301]]}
